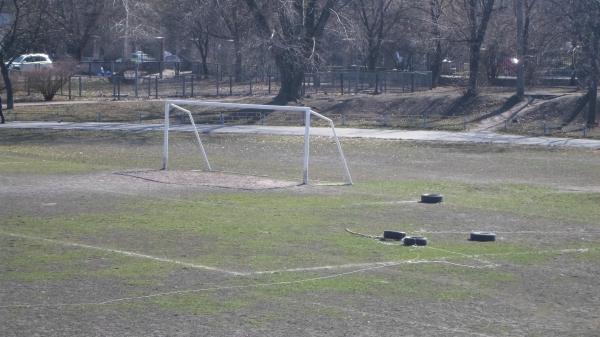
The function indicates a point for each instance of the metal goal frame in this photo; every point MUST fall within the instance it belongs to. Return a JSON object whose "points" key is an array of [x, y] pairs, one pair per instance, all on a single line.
{"points": [[307, 111]]}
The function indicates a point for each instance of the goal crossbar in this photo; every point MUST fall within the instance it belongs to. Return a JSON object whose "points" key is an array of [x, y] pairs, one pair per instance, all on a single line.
{"points": [[308, 112]]}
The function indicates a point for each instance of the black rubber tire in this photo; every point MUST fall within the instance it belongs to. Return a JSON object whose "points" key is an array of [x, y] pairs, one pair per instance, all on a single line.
{"points": [[420, 241], [482, 236], [394, 235], [408, 241], [431, 198]]}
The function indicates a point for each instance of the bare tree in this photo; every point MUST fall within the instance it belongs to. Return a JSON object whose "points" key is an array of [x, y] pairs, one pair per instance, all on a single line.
{"points": [[235, 22], [478, 14], [74, 22], [377, 18], [520, 15], [583, 16], [201, 39], [135, 21], [198, 19], [528, 6], [19, 35], [293, 31], [435, 11]]}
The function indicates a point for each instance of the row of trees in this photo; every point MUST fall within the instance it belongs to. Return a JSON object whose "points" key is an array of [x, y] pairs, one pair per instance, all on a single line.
{"points": [[298, 36]]}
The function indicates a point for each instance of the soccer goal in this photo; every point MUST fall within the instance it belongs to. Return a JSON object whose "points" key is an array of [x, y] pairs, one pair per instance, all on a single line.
{"points": [[306, 112]]}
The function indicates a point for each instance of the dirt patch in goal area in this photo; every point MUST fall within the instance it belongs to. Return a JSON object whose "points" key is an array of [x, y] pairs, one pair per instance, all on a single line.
{"points": [[213, 179]]}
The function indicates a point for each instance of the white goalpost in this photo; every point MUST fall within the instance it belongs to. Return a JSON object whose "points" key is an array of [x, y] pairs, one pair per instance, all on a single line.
{"points": [[308, 113]]}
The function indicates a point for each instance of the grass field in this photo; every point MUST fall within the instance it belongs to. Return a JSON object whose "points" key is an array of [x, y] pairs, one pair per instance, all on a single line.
{"points": [[86, 251]]}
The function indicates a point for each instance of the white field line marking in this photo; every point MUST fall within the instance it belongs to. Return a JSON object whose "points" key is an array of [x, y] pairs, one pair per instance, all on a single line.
{"points": [[124, 252], [475, 258], [547, 251], [441, 260], [371, 264], [516, 232], [398, 202], [231, 272], [189, 291]]}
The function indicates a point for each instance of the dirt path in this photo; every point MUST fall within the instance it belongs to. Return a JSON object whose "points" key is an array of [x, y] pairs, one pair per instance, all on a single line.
{"points": [[533, 101], [486, 137], [498, 121]]}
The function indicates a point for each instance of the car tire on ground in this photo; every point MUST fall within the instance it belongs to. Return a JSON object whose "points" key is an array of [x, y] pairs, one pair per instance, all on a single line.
{"points": [[431, 198], [393, 235], [409, 241], [420, 241], [482, 236]]}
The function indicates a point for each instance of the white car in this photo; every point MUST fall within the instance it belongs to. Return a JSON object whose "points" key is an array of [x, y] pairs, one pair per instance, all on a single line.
{"points": [[30, 62]]}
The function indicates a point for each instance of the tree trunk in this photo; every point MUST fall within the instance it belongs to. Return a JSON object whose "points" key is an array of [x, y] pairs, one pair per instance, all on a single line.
{"points": [[478, 29], [237, 68], [593, 88], [7, 85], [527, 59], [491, 65], [474, 59], [372, 56], [202, 48], [436, 65], [291, 68], [520, 49], [204, 67], [592, 104], [2, 120], [79, 52]]}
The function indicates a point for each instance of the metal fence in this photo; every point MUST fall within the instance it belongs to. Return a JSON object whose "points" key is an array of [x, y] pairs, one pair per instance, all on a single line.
{"points": [[116, 80], [553, 68], [355, 81], [153, 114], [117, 87]]}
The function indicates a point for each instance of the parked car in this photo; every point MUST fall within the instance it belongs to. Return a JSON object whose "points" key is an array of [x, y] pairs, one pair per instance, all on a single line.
{"points": [[29, 62], [171, 58], [138, 57], [141, 57]]}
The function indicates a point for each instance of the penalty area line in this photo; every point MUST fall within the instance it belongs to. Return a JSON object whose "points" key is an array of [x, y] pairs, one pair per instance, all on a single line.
{"points": [[123, 252], [482, 264], [372, 264], [188, 291]]}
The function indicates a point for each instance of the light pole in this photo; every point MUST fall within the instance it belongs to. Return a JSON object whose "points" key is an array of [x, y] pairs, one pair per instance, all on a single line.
{"points": [[161, 58]]}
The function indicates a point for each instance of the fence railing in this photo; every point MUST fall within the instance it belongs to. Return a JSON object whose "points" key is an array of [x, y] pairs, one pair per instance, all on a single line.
{"points": [[345, 82], [549, 70], [187, 84], [152, 112]]}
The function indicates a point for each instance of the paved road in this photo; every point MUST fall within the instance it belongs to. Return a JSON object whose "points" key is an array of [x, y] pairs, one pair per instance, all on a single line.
{"points": [[435, 136]]}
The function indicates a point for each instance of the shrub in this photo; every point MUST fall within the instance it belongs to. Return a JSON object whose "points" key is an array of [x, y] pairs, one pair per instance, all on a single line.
{"points": [[48, 81]]}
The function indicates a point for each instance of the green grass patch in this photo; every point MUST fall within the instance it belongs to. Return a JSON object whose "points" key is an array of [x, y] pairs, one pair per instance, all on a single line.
{"points": [[27, 152], [245, 230], [204, 303], [27, 261], [402, 281], [257, 231], [519, 199]]}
